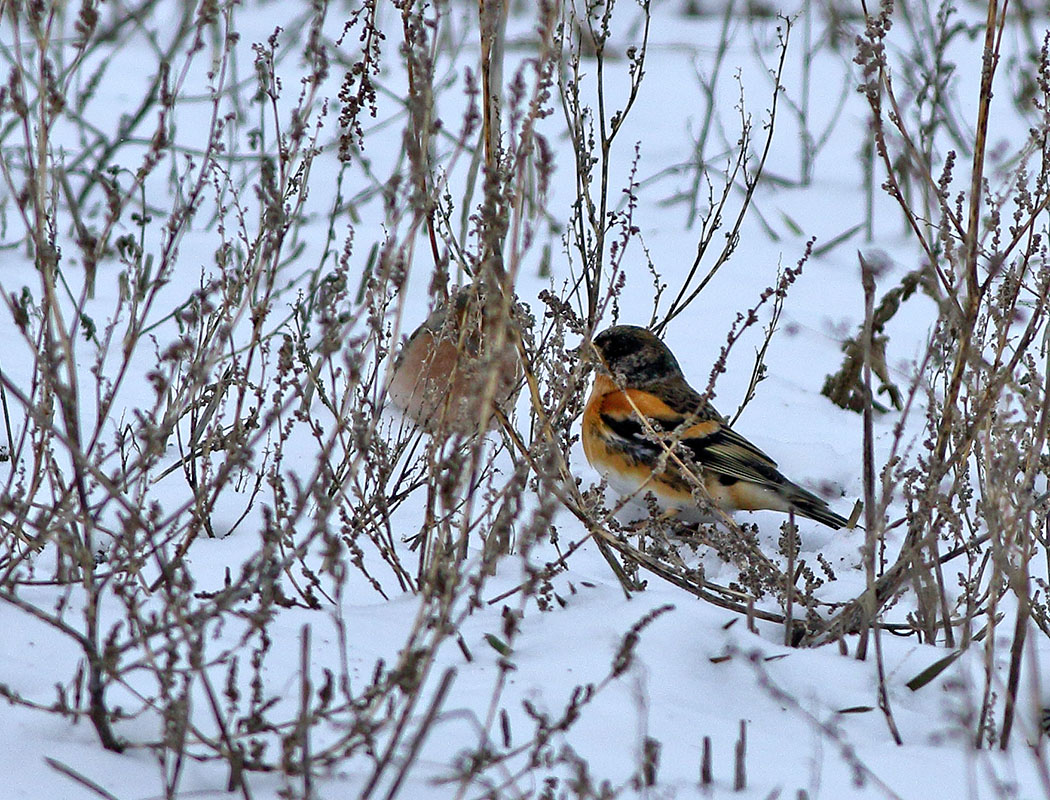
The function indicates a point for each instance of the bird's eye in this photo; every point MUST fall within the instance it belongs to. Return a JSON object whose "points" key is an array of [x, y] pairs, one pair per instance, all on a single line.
{"points": [[620, 346]]}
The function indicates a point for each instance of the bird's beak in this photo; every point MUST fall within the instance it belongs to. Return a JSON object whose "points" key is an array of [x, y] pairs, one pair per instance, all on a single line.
{"points": [[589, 356], [586, 352]]}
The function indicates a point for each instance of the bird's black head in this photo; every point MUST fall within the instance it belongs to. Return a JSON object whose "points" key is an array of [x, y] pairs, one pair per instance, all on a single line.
{"points": [[636, 354]]}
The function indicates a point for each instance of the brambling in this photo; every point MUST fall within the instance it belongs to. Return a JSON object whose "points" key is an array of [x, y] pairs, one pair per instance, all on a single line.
{"points": [[639, 376], [451, 364]]}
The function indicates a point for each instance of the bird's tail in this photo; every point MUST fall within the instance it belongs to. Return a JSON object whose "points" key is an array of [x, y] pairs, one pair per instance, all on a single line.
{"points": [[809, 505]]}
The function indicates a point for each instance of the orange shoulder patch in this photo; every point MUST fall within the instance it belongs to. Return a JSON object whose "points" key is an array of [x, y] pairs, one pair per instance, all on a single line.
{"points": [[702, 430], [622, 404]]}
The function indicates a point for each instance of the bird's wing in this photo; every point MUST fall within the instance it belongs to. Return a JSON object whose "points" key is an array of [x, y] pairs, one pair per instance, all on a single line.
{"points": [[728, 453], [713, 445]]}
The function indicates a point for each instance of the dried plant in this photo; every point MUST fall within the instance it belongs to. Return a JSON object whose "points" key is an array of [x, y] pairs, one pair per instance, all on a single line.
{"points": [[203, 335]]}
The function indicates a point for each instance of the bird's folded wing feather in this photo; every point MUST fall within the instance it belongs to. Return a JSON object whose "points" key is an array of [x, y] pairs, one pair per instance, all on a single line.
{"points": [[727, 452], [713, 445]]}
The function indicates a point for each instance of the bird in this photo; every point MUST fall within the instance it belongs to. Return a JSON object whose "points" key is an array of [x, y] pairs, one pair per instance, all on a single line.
{"points": [[455, 360], [638, 376]]}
